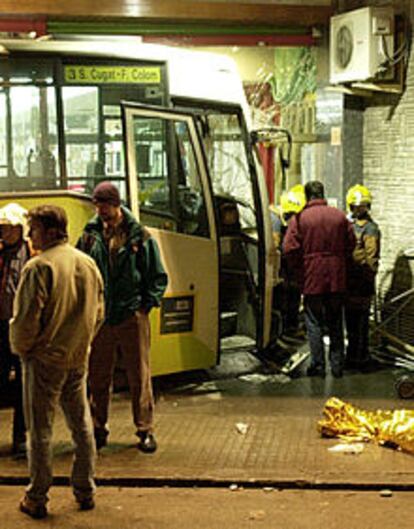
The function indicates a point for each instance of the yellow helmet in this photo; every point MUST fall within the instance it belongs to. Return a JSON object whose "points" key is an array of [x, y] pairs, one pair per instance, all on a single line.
{"points": [[294, 200], [358, 195]]}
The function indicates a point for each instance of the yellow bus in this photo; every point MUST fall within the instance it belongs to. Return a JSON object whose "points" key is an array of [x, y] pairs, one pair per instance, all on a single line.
{"points": [[168, 127]]}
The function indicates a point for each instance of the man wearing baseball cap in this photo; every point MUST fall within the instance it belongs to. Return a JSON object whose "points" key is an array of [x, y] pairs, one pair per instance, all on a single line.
{"points": [[135, 281]]}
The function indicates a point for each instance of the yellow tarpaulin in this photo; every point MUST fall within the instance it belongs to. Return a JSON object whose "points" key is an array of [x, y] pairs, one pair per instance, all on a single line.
{"points": [[388, 428]]}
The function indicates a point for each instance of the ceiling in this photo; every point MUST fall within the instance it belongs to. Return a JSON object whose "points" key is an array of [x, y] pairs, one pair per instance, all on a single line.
{"points": [[185, 22], [262, 12]]}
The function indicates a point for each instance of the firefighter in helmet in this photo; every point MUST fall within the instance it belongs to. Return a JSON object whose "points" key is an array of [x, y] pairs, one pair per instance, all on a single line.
{"points": [[15, 251], [291, 203], [286, 295], [361, 277]]}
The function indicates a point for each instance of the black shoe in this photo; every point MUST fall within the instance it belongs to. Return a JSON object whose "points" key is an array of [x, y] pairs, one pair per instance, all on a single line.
{"points": [[101, 437], [87, 504], [337, 373], [147, 442], [32, 509], [315, 371]]}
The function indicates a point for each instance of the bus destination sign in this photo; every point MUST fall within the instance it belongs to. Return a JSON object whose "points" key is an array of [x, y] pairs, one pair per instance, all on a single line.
{"points": [[88, 74]]}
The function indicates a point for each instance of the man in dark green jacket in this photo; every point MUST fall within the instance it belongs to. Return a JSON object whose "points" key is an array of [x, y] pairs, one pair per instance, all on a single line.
{"points": [[135, 281]]}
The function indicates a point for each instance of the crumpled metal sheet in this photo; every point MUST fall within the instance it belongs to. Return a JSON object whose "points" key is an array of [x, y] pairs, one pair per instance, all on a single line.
{"points": [[393, 429]]}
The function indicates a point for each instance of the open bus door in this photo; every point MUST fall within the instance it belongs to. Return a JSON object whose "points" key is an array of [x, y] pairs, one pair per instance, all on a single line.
{"points": [[191, 177], [169, 192], [247, 254]]}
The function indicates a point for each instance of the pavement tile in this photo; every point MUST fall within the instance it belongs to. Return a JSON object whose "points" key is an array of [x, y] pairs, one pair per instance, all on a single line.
{"points": [[198, 438]]}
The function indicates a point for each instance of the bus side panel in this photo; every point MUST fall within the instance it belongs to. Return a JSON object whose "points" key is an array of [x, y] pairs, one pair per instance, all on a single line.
{"points": [[78, 210], [172, 351], [191, 264]]}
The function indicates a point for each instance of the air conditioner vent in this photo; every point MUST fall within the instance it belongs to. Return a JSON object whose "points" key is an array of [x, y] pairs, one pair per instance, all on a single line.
{"points": [[361, 44]]}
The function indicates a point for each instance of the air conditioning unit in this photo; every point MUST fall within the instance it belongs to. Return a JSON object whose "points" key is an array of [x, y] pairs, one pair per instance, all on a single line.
{"points": [[361, 44]]}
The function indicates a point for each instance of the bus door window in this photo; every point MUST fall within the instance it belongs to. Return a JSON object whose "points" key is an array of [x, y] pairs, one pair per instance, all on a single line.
{"points": [[229, 166], [191, 209], [170, 192], [151, 164]]}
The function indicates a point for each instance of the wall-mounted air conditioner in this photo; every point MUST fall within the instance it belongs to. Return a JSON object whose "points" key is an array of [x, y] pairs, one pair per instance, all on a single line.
{"points": [[361, 44]]}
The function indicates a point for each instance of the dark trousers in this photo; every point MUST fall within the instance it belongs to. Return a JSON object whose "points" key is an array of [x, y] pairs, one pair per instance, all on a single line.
{"points": [[9, 361], [357, 329], [325, 311], [132, 336], [286, 299]]}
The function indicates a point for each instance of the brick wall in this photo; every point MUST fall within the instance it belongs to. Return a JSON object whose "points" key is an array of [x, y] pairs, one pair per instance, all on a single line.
{"points": [[353, 128], [388, 161], [388, 154]]}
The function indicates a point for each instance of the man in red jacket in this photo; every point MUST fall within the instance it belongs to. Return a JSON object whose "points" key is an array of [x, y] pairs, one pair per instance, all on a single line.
{"points": [[318, 244]]}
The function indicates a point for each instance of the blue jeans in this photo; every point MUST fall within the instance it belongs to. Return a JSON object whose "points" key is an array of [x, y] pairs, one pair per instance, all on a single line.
{"points": [[325, 311]]}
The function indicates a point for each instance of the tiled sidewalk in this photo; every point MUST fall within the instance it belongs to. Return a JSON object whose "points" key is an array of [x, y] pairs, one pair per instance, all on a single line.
{"points": [[200, 438]]}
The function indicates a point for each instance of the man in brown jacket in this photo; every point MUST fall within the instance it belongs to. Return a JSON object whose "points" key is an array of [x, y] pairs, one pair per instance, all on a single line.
{"points": [[57, 311], [318, 244]]}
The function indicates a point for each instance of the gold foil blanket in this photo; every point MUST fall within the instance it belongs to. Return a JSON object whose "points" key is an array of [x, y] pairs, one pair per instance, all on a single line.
{"points": [[388, 428]]}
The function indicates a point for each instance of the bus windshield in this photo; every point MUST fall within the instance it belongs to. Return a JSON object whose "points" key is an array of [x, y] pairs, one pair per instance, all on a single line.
{"points": [[229, 166]]}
